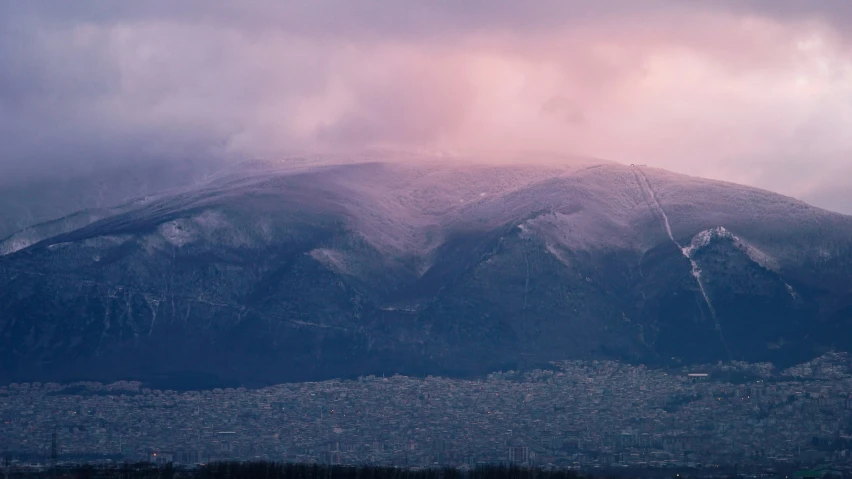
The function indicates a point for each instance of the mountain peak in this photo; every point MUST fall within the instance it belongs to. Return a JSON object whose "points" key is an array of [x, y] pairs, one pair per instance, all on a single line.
{"points": [[271, 273]]}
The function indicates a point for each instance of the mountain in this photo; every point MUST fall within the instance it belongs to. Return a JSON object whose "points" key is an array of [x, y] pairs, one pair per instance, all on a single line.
{"points": [[271, 273], [95, 189]]}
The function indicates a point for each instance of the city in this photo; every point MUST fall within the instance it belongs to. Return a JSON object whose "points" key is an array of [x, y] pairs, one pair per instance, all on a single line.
{"points": [[577, 414]]}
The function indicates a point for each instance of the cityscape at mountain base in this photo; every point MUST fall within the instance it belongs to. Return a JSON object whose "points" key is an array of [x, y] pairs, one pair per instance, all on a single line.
{"points": [[578, 414]]}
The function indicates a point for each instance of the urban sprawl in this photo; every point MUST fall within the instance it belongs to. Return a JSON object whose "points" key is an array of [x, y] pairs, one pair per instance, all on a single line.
{"points": [[575, 414]]}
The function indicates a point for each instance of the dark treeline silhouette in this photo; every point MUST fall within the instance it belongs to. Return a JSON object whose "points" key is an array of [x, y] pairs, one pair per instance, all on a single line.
{"points": [[275, 470], [272, 470]]}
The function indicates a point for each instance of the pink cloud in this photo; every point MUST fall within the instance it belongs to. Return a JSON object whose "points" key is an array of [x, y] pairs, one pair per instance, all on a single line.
{"points": [[731, 90]]}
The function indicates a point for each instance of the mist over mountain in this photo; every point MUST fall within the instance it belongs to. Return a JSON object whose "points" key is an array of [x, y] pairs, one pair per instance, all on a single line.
{"points": [[61, 191], [283, 271]]}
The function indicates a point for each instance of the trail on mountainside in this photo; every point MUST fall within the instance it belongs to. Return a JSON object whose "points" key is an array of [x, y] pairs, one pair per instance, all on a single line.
{"points": [[646, 188]]}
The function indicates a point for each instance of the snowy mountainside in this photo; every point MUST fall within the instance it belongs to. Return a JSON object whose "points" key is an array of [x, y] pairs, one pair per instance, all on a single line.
{"points": [[299, 271], [26, 203]]}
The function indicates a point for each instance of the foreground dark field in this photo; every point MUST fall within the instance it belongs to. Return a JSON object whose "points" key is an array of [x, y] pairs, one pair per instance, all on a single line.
{"points": [[269, 470], [273, 470]]}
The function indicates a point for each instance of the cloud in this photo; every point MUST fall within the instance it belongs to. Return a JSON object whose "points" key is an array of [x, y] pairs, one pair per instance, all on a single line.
{"points": [[749, 91]]}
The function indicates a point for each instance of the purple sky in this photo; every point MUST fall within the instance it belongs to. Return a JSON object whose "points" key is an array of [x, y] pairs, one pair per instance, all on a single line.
{"points": [[751, 91]]}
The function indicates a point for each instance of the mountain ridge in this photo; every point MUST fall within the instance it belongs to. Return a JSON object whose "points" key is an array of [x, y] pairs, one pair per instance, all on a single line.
{"points": [[380, 267]]}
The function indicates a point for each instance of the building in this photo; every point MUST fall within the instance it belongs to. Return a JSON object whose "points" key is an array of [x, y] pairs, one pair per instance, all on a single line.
{"points": [[519, 454]]}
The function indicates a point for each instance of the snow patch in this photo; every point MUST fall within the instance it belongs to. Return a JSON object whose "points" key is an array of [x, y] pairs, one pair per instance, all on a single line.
{"points": [[175, 233], [792, 292], [182, 231], [331, 259], [704, 238], [557, 254], [575, 231], [426, 265], [16, 244]]}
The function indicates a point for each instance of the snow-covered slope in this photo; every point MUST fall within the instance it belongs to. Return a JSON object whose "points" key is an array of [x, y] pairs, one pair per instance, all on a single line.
{"points": [[301, 270], [58, 194]]}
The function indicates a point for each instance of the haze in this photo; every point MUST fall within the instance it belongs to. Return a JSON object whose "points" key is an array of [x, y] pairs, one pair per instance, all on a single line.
{"points": [[754, 92]]}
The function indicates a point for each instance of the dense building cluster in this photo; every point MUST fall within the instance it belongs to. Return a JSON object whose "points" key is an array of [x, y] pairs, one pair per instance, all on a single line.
{"points": [[579, 413]]}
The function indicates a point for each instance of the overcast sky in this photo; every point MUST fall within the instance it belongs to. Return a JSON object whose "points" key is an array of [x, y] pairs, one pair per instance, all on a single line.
{"points": [[751, 91]]}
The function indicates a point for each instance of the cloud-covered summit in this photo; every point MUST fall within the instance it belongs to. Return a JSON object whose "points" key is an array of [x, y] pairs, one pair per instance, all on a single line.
{"points": [[748, 91]]}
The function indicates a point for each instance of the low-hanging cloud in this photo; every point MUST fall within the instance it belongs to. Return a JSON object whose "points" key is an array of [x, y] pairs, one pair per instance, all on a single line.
{"points": [[748, 91]]}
